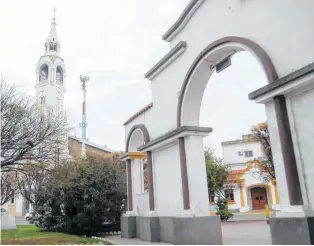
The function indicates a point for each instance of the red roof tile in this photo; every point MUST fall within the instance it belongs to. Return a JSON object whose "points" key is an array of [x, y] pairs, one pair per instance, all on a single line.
{"points": [[233, 174]]}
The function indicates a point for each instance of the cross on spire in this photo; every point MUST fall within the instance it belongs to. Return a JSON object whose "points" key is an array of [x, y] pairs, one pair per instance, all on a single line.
{"points": [[52, 37], [54, 16]]}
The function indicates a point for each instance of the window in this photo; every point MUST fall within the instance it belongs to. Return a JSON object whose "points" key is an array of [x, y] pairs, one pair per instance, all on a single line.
{"points": [[248, 153], [240, 153], [43, 73], [53, 47], [42, 100], [229, 195], [12, 200], [59, 75]]}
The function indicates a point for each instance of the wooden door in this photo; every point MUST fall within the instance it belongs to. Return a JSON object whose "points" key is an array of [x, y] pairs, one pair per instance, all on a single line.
{"points": [[259, 198]]}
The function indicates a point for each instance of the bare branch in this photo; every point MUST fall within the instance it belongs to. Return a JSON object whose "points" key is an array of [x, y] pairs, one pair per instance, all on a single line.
{"points": [[30, 133], [9, 187], [266, 165]]}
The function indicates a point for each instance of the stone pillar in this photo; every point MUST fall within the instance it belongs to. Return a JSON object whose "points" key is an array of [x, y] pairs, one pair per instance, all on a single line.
{"points": [[130, 193], [294, 224], [291, 171], [274, 183], [241, 186], [128, 220], [184, 175], [150, 181]]}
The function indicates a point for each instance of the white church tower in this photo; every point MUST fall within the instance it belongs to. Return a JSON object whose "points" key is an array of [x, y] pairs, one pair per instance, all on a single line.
{"points": [[50, 72], [50, 81]]}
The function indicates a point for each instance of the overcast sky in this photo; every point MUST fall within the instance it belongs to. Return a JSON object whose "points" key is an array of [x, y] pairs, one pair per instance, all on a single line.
{"points": [[116, 42]]}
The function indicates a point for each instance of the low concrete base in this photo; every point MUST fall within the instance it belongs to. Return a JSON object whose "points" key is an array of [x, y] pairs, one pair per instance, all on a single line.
{"points": [[292, 231], [128, 226], [174, 230], [191, 230], [147, 228]]}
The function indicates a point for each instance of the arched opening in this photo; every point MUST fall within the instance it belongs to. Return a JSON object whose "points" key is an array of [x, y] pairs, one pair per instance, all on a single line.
{"points": [[43, 73], [195, 82], [59, 75], [53, 47], [138, 175], [218, 98]]}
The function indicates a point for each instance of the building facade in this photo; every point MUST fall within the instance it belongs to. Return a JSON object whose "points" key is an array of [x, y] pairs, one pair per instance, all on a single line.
{"points": [[252, 189], [178, 194]]}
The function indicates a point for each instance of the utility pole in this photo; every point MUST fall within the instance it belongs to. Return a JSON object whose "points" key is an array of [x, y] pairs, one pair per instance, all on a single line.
{"points": [[84, 79]]}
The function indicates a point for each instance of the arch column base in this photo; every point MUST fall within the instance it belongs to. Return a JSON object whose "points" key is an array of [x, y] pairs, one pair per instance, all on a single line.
{"points": [[292, 230], [128, 225]]}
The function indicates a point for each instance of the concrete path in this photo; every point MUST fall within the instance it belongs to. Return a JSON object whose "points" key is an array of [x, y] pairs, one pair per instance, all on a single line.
{"points": [[20, 220], [117, 240], [234, 233], [248, 216], [246, 232]]}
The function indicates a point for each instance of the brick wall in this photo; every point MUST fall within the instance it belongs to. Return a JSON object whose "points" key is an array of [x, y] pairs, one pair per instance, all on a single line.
{"points": [[75, 148]]}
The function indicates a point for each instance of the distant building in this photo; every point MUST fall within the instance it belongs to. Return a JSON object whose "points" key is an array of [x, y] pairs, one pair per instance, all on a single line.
{"points": [[75, 148], [252, 192]]}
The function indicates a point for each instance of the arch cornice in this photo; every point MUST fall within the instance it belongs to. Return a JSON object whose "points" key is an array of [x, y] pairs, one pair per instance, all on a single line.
{"points": [[263, 57], [143, 130]]}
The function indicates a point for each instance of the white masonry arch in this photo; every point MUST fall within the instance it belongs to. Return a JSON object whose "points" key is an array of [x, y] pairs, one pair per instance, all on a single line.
{"points": [[280, 35], [197, 78]]}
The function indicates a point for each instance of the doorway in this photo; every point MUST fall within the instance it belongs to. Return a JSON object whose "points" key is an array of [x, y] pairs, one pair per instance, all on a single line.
{"points": [[259, 198]]}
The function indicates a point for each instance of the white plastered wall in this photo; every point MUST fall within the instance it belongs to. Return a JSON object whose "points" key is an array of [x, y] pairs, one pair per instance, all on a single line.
{"points": [[167, 181], [196, 169], [216, 19], [301, 117]]}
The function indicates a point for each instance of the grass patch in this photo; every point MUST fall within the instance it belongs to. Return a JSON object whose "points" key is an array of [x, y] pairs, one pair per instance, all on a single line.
{"points": [[32, 235]]}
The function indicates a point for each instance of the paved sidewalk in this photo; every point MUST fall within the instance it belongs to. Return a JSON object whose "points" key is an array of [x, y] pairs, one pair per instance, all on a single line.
{"points": [[246, 233], [117, 240], [234, 233]]}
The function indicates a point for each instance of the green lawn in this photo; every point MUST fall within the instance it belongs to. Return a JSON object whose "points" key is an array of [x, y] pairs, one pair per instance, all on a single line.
{"points": [[30, 235]]}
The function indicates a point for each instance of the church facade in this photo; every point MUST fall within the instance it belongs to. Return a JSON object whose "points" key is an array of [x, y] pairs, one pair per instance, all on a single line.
{"points": [[253, 189]]}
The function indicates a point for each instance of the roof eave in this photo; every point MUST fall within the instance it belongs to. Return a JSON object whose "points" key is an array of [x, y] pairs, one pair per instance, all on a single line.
{"points": [[182, 20]]}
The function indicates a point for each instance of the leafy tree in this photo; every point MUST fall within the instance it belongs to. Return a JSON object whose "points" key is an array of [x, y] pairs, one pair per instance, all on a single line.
{"points": [[115, 158], [217, 181], [83, 197], [222, 205], [217, 173], [261, 134], [28, 131]]}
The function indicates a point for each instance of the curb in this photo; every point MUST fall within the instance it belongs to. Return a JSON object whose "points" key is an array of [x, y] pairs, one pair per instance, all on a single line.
{"points": [[104, 240]]}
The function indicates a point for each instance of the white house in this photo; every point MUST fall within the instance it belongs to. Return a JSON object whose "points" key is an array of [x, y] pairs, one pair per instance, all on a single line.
{"points": [[252, 191]]}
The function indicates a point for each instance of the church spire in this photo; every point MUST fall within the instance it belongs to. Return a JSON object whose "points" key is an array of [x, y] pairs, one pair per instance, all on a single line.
{"points": [[53, 30], [52, 44]]}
